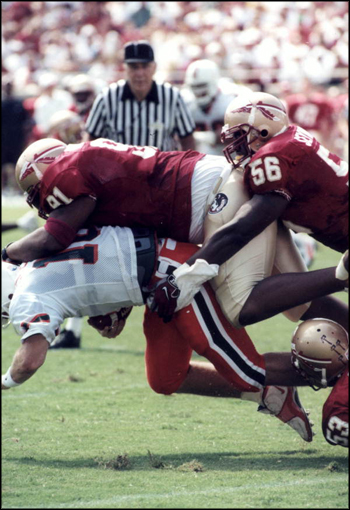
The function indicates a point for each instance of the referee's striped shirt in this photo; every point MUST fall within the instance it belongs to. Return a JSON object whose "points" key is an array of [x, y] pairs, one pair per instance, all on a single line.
{"points": [[117, 115]]}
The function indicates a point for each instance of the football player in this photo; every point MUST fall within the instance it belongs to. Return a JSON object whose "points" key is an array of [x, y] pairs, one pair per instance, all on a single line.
{"points": [[207, 96], [315, 111], [108, 268], [290, 177], [141, 186], [320, 353], [82, 88], [66, 126]]}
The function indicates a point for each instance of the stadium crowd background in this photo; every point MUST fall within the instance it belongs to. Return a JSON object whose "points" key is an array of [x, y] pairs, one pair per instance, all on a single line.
{"points": [[276, 47]]}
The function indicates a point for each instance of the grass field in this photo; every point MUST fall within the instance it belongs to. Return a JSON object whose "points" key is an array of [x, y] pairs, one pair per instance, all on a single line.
{"points": [[87, 432]]}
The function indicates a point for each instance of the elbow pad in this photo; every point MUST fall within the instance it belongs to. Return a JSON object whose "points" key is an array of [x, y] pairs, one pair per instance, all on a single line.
{"points": [[61, 231]]}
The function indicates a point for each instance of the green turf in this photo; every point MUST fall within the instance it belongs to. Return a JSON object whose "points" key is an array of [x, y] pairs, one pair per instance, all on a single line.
{"points": [[87, 432]]}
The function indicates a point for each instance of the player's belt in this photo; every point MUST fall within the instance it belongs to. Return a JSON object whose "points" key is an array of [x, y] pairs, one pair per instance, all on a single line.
{"points": [[146, 252]]}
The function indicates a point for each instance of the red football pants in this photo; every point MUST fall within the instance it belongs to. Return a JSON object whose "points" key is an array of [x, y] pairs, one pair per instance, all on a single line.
{"points": [[200, 327]]}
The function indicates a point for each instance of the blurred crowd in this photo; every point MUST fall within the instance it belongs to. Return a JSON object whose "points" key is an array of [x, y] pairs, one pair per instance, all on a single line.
{"points": [[279, 47]]}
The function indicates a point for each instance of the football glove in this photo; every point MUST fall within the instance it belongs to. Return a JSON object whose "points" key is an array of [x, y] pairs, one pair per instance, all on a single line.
{"points": [[163, 299]]}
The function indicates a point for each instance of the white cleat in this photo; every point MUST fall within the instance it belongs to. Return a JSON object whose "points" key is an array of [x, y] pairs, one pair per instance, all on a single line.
{"points": [[283, 402]]}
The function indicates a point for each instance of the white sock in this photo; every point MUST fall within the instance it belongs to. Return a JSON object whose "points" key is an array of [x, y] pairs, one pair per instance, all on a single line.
{"points": [[253, 396], [74, 324]]}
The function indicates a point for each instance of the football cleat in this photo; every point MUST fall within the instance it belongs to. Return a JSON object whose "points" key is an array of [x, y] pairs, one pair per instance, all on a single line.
{"points": [[283, 402], [66, 340]]}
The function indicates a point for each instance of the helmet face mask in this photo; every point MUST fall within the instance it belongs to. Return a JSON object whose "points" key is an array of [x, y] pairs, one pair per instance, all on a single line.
{"points": [[250, 122], [239, 149], [320, 351], [32, 164]]}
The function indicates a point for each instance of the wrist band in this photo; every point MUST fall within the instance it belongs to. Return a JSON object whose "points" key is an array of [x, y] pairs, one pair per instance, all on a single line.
{"points": [[4, 255], [6, 258], [6, 380]]}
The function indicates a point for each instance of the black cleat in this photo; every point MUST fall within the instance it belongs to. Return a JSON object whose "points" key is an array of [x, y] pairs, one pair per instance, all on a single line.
{"points": [[66, 340]]}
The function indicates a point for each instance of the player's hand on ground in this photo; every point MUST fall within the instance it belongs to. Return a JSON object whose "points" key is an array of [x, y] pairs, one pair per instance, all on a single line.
{"points": [[164, 298]]}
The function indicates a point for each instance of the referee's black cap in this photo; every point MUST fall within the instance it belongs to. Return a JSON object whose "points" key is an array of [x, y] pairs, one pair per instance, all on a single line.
{"points": [[138, 51]]}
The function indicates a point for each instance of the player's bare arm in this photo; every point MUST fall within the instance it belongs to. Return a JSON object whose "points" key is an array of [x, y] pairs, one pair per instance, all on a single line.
{"points": [[251, 219], [27, 359], [56, 235]]}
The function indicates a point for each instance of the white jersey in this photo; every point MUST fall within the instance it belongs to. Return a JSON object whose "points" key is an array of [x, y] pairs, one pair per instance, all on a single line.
{"points": [[210, 121], [95, 275]]}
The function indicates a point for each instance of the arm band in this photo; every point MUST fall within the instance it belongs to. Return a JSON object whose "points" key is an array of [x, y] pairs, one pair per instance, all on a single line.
{"points": [[61, 231], [6, 380]]}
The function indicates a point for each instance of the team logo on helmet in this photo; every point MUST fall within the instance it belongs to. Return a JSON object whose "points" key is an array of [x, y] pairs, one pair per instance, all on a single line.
{"points": [[260, 106], [220, 202], [29, 167]]}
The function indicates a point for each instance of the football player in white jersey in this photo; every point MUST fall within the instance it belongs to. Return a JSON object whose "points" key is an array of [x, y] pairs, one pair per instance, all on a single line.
{"points": [[207, 95], [106, 269]]}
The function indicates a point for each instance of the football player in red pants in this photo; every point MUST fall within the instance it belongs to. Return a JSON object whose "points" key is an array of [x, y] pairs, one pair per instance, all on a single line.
{"points": [[98, 282]]}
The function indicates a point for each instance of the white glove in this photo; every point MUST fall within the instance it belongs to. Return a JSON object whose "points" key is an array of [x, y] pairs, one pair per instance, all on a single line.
{"points": [[190, 278], [341, 273]]}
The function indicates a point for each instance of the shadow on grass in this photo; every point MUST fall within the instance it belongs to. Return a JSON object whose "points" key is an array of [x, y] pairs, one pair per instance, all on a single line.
{"points": [[289, 460]]}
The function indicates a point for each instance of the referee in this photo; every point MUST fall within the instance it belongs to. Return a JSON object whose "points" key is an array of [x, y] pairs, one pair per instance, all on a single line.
{"points": [[140, 111]]}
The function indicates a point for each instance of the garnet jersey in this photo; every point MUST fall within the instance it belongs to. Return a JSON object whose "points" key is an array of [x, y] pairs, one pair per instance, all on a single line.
{"points": [[314, 181], [95, 275], [133, 186], [335, 414], [311, 113]]}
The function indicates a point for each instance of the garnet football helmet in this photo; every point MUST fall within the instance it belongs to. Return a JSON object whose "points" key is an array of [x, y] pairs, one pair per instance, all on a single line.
{"points": [[251, 120], [202, 77], [320, 351], [32, 164], [66, 126], [8, 278]]}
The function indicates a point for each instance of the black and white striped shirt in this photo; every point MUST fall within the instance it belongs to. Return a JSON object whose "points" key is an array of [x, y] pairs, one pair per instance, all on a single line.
{"points": [[116, 114]]}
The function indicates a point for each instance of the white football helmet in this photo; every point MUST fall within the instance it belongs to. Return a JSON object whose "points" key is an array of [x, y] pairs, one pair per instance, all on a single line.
{"points": [[66, 126], [32, 164], [251, 120], [320, 351], [82, 89], [202, 77], [8, 279]]}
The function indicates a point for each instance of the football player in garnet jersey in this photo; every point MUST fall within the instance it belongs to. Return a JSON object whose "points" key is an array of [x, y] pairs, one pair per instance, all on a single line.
{"points": [[290, 177], [320, 353], [105, 269], [102, 182]]}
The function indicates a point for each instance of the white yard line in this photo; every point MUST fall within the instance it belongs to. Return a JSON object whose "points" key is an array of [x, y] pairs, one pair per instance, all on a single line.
{"points": [[102, 503]]}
